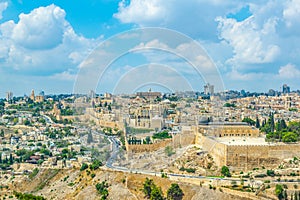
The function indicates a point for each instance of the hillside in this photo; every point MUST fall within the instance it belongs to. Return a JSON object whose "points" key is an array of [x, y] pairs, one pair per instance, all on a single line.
{"points": [[76, 184]]}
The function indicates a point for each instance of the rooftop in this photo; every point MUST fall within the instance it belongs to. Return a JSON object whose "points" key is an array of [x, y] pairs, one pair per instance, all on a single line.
{"points": [[243, 141]]}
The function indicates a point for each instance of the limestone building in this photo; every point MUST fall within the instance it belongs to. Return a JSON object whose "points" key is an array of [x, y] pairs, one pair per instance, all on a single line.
{"points": [[240, 147]]}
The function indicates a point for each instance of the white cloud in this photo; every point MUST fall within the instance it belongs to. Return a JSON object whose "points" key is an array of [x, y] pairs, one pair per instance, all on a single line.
{"points": [[291, 13], [248, 41], [269, 37], [65, 76], [259, 40], [3, 6], [42, 42], [237, 76], [195, 18], [141, 12], [289, 71], [42, 28], [152, 44]]}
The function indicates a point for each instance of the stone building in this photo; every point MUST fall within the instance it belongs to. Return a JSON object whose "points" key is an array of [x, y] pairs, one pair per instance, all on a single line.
{"points": [[39, 98], [241, 148], [149, 95], [32, 96], [228, 129]]}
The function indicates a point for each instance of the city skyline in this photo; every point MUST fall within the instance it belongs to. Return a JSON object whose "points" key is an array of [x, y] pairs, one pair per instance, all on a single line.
{"points": [[208, 90], [43, 44]]}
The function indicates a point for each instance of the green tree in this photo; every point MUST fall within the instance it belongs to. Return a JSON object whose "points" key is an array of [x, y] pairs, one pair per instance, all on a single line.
{"points": [[11, 159], [25, 196], [102, 189], [147, 187], [2, 133], [26, 122], [270, 172], [249, 121], [229, 105], [257, 124], [65, 151], [156, 193], [162, 135], [96, 164], [16, 120], [148, 140], [272, 122], [290, 137], [84, 166], [279, 191], [174, 192], [225, 171]]}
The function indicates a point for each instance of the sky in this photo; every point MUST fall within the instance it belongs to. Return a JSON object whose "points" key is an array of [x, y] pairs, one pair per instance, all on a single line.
{"points": [[49, 45]]}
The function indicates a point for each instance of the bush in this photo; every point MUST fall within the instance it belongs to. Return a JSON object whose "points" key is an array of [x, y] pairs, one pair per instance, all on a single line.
{"points": [[169, 151], [175, 192], [84, 166], [34, 173], [71, 184], [270, 172], [164, 175], [161, 135], [189, 170], [25, 196], [102, 189], [279, 191], [260, 175], [66, 178], [95, 165], [225, 171]]}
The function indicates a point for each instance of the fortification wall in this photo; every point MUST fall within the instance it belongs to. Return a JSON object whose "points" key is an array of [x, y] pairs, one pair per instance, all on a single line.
{"points": [[183, 139], [176, 141], [217, 150], [246, 157], [283, 151], [138, 148]]}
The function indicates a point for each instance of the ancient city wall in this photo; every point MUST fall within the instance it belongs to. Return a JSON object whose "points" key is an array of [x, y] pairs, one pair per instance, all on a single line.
{"points": [[284, 151], [183, 139], [217, 150], [246, 157], [138, 148], [176, 141]]}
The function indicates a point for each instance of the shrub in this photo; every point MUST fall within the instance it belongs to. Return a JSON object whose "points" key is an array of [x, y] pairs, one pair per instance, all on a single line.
{"points": [[84, 166]]}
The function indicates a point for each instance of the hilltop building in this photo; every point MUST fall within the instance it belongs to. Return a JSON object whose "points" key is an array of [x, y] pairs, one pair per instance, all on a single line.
{"points": [[208, 89], [286, 89], [149, 95], [32, 96], [9, 96]]}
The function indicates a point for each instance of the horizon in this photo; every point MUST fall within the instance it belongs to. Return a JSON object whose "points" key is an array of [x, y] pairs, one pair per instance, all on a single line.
{"points": [[134, 93], [249, 47]]}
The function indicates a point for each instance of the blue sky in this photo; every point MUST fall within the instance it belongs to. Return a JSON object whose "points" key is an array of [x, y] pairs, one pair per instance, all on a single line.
{"points": [[254, 45]]}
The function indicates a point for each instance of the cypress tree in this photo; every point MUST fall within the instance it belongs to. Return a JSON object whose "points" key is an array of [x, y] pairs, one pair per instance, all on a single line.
{"points": [[11, 159], [257, 124]]}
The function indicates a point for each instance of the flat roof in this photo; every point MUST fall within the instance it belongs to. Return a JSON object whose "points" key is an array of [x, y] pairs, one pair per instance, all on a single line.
{"points": [[224, 123], [243, 141]]}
